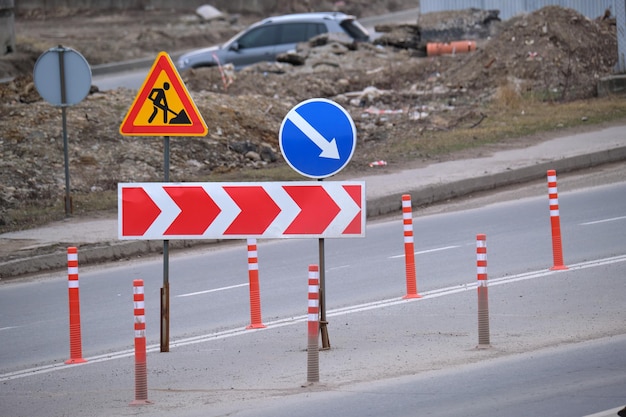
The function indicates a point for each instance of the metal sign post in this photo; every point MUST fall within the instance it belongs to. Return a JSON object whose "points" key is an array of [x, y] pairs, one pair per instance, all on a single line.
{"points": [[322, 290], [165, 291], [620, 18], [66, 156], [53, 71], [323, 321], [66, 159]]}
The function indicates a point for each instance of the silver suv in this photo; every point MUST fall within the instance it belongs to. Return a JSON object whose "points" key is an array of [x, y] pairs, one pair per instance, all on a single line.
{"points": [[265, 40]]}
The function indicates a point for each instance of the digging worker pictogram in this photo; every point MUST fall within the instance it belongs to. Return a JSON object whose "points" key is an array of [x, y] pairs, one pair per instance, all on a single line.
{"points": [[159, 101]]}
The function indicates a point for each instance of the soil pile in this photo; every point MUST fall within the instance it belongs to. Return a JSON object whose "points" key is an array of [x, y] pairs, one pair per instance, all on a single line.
{"points": [[554, 51]]}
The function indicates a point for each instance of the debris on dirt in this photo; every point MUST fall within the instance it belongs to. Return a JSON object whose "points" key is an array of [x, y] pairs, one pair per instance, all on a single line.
{"points": [[440, 27], [554, 51], [449, 26], [380, 163], [389, 90], [208, 13]]}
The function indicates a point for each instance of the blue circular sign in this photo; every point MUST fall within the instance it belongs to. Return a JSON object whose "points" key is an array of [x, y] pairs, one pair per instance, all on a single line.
{"points": [[317, 138]]}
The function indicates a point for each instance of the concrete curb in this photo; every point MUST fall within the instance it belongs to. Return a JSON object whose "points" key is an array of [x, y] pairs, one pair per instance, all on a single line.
{"points": [[91, 254], [111, 251], [441, 192], [132, 65], [135, 64]]}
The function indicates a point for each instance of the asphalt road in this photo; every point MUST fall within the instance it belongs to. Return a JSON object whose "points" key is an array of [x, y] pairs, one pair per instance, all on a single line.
{"points": [[209, 290], [375, 334], [569, 380]]}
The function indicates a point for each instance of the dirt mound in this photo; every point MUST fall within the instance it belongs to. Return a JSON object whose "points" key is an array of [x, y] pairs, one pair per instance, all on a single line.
{"points": [[554, 52]]}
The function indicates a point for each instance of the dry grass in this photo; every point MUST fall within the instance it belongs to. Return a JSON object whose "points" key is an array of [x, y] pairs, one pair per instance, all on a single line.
{"points": [[512, 116], [81, 203]]}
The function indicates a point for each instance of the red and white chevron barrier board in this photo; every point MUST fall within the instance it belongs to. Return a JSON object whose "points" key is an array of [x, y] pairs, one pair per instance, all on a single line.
{"points": [[216, 210]]}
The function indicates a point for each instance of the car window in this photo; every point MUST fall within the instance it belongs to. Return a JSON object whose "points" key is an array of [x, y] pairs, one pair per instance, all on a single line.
{"points": [[300, 32], [258, 37], [355, 30]]}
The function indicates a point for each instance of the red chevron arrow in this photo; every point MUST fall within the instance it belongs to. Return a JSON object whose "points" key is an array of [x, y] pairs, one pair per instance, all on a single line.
{"points": [[355, 225], [138, 211], [197, 213], [318, 210], [258, 210]]}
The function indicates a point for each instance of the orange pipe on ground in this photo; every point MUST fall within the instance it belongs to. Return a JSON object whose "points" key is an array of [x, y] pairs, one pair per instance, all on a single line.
{"points": [[457, 47]]}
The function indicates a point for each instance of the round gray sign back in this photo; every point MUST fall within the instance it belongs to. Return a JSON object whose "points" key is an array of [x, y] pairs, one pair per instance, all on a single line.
{"points": [[62, 76]]}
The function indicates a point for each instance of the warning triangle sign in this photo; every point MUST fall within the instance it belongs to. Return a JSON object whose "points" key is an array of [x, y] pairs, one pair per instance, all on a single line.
{"points": [[163, 106]]}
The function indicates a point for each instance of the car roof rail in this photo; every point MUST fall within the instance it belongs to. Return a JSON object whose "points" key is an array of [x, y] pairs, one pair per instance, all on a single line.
{"points": [[321, 15]]}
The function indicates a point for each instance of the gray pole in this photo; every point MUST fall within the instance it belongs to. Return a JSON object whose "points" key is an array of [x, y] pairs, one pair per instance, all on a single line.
{"points": [[7, 26], [323, 321], [322, 271], [165, 291], [620, 18], [68, 206]]}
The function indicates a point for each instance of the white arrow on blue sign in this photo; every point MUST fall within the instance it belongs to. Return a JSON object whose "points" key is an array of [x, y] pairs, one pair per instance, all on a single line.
{"points": [[317, 138]]}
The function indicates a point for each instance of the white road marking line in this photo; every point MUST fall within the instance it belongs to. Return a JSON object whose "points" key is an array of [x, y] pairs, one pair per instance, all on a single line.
{"points": [[422, 252], [603, 221], [213, 290], [612, 412], [8, 328], [338, 267], [299, 319]]}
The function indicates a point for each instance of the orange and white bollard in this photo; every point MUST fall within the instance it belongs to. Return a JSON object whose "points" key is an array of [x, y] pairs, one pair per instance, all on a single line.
{"points": [[141, 370], [255, 291], [409, 250], [483, 291], [76, 350], [555, 222], [313, 318]]}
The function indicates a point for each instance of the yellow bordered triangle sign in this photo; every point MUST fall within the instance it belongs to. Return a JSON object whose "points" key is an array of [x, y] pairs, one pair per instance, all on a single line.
{"points": [[163, 106]]}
